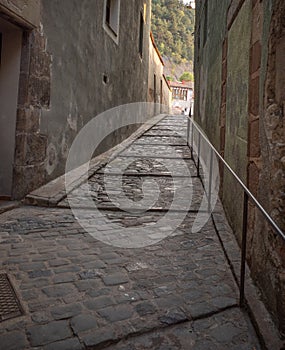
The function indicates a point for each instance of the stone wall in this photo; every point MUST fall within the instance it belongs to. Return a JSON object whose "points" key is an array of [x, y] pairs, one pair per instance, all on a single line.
{"points": [[269, 267], [34, 97], [239, 96]]}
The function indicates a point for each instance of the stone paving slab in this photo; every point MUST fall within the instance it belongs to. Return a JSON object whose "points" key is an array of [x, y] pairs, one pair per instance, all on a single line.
{"points": [[78, 292], [132, 188], [145, 151], [217, 332], [176, 117], [179, 132], [173, 121], [176, 128], [149, 166], [61, 273], [161, 140], [173, 124]]}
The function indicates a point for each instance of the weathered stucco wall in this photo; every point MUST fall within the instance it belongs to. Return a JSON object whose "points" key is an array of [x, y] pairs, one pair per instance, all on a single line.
{"points": [[250, 52], [158, 89], [71, 70], [90, 72], [166, 97]]}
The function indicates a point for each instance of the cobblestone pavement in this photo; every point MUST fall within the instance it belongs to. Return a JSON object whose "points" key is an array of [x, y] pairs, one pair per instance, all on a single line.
{"points": [[80, 293]]}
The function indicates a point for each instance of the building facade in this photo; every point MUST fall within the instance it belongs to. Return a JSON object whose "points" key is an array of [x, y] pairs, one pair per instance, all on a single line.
{"points": [[158, 87], [239, 102], [182, 97], [62, 63]]}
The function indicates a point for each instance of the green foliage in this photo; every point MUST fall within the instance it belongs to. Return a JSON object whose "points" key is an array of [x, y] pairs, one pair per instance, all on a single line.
{"points": [[169, 78], [187, 76], [172, 27]]}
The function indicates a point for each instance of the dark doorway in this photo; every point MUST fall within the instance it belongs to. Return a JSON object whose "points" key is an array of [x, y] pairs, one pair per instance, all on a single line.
{"points": [[11, 42]]}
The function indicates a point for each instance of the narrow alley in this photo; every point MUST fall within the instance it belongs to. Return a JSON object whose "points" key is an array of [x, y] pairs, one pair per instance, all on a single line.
{"points": [[78, 292]]}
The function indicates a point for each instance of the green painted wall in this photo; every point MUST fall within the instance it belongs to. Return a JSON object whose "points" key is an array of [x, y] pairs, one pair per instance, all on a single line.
{"points": [[247, 25], [237, 111], [208, 65]]}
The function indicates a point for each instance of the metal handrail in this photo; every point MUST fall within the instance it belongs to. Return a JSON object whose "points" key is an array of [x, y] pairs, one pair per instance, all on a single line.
{"points": [[247, 195]]}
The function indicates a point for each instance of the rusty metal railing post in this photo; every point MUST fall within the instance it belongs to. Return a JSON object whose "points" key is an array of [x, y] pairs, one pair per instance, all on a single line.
{"points": [[243, 249], [188, 131], [192, 140], [198, 159]]}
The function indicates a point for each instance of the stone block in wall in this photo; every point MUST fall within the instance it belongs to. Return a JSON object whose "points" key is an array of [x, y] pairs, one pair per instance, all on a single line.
{"points": [[253, 178], [273, 121], [257, 21], [30, 149], [224, 72], [40, 64], [25, 54], [224, 93], [280, 68], [254, 96], [252, 210], [278, 190], [28, 120], [254, 142], [28, 178], [221, 171], [280, 293], [23, 95], [223, 114], [255, 57], [38, 41], [225, 49], [39, 90], [222, 138]]}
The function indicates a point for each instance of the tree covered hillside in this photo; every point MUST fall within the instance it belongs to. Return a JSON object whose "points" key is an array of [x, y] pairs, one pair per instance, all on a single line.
{"points": [[172, 27]]}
